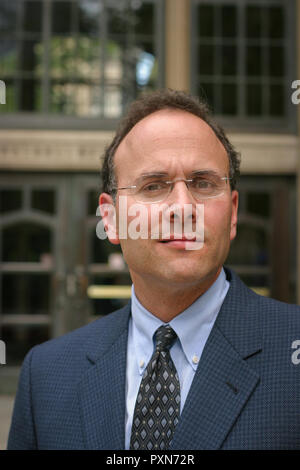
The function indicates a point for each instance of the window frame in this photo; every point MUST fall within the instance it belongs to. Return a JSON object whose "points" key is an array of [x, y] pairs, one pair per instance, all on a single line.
{"points": [[48, 120], [242, 122]]}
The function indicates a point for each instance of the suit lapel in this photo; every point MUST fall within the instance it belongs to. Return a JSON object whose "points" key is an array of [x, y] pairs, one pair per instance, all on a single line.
{"points": [[102, 389], [222, 385], [224, 380]]}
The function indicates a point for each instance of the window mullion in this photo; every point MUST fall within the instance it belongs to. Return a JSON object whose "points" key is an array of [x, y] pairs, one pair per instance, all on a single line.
{"points": [[46, 36], [103, 38], [265, 47], [217, 60], [241, 54], [20, 39]]}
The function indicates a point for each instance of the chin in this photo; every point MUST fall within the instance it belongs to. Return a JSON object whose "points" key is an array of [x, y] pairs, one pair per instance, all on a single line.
{"points": [[185, 276]]}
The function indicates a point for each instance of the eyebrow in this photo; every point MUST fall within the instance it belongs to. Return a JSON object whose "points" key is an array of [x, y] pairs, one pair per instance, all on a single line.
{"points": [[153, 174], [162, 174], [204, 172]]}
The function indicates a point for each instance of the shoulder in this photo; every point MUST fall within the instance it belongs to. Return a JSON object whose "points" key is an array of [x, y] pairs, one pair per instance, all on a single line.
{"points": [[76, 346], [242, 297], [253, 322]]}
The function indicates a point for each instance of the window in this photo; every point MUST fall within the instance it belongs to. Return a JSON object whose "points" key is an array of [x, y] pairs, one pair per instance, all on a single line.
{"points": [[243, 59], [78, 58], [263, 252]]}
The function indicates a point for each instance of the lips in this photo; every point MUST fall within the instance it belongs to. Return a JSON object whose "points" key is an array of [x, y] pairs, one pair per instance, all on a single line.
{"points": [[172, 238]]}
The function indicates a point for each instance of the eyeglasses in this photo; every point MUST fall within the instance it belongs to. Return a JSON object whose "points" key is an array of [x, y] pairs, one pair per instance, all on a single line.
{"points": [[204, 185]]}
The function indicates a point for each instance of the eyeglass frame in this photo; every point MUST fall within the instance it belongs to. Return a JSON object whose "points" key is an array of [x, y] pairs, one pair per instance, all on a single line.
{"points": [[171, 183]]}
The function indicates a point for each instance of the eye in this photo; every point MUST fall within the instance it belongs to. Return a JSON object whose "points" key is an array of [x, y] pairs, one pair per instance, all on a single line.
{"points": [[153, 186], [202, 183]]}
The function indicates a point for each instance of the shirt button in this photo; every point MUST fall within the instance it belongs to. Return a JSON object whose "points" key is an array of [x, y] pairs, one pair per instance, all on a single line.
{"points": [[142, 363], [195, 359]]}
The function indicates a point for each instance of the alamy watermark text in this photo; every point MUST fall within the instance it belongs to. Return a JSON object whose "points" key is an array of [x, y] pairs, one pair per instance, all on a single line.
{"points": [[2, 92], [157, 222], [2, 352]]}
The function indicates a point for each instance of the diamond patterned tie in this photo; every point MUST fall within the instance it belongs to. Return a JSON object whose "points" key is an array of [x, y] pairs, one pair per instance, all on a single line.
{"points": [[157, 405]]}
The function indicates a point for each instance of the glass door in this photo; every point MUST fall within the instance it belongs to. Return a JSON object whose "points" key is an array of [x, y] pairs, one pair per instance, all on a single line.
{"points": [[32, 255], [264, 251], [99, 266]]}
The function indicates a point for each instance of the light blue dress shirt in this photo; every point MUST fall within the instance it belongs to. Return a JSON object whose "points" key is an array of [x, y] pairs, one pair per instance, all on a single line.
{"points": [[192, 327]]}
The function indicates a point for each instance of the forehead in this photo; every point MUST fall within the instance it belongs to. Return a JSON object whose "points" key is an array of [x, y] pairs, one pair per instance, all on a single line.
{"points": [[170, 141]]}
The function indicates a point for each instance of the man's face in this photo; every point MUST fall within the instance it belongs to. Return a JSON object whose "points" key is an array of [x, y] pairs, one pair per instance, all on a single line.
{"points": [[176, 143]]}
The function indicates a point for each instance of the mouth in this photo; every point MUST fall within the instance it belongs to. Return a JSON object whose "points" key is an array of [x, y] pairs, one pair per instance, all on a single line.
{"points": [[181, 242], [179, 238]]}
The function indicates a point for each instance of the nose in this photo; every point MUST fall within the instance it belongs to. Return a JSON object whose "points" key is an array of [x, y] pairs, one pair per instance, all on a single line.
{"points": [[180, 193], [181, 202]]}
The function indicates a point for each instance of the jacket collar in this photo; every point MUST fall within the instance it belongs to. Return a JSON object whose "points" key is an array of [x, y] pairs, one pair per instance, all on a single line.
{"points": [[101, 391], [239, 319], [225, 378], [223, 383], [113, 325]]}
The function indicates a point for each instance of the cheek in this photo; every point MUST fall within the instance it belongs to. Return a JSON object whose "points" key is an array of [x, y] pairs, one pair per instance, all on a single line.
{"points": [[132, 219], [144, 222], [217, 219], [138, 254]]}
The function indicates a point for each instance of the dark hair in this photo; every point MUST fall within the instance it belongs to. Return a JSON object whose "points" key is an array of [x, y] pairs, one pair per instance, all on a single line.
{"points": [[155, 101]]}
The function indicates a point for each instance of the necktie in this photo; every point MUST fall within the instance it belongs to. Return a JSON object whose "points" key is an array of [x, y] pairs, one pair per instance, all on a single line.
{"points": [[157, 405]]}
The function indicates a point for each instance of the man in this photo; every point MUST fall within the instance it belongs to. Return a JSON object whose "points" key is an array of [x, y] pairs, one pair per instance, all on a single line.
{"points": [[196, 360]]}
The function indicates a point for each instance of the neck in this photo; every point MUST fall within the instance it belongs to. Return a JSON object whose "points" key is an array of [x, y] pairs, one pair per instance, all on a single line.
{"points": [[167, 301]]}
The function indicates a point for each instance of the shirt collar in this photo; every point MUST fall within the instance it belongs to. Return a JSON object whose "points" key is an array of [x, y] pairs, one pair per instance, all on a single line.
{"points": [[192, 326]]}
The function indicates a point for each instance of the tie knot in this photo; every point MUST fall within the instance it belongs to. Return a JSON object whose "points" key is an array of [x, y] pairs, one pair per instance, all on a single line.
{"points": [[165, 337]]}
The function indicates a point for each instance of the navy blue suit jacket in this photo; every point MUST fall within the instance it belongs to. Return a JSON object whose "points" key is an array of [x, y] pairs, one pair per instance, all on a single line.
{"points": [[245, 393]]}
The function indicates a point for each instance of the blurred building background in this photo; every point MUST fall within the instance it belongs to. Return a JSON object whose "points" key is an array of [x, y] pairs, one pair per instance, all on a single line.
{"points": [[70, 69]]}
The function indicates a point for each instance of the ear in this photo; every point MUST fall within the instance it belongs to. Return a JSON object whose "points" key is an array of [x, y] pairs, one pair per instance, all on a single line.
{"points": [[109, 217], [234, 212]]}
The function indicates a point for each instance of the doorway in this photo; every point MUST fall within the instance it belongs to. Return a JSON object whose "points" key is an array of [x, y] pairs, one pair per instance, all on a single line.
{"points": [[57, 275]]}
